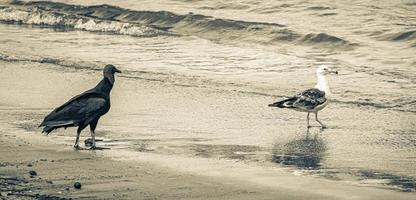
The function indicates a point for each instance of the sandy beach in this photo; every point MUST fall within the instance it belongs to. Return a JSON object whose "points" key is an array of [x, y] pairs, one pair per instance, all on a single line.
{"points": [[59, 168], [139, 168]]}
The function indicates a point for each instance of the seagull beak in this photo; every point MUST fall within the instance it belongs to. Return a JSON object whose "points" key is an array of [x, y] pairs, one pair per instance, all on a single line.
{"points": [[333, 71]]}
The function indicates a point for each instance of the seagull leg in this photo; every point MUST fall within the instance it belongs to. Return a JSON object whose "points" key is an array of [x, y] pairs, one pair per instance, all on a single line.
{"points": [[316, 118], [307, 120], [76, 145]]}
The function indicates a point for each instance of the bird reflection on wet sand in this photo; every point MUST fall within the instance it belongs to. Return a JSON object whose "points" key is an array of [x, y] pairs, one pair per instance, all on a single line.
{"points": [[305, 153]]}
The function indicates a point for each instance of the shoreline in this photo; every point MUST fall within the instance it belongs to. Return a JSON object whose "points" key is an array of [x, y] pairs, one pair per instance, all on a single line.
{"points": [[58, 167], [123, 174], [155, 173]]}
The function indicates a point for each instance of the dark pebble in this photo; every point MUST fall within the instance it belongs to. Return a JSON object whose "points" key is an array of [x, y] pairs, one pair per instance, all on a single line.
{"points": [[33, 173], [407, 190], [66, 188], [88, 142], [29, 165], [77, 185]]}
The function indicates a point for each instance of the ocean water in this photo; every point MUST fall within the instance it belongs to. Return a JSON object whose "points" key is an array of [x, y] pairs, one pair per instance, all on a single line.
{"points": [[247, 53]]}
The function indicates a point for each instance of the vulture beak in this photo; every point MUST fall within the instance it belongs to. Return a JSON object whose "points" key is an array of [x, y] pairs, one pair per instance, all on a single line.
{"points": [[116, 70]]}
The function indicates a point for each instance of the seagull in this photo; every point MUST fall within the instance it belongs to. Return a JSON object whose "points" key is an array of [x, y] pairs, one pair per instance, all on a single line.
{"points": [[311, 100], [84, 109]]}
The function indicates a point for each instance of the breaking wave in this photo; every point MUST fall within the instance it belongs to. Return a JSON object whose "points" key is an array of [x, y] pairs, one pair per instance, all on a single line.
{"points": [[41, 17], [48, 60], [322, 38], [116, 20], [407, 35], [403, 36]]}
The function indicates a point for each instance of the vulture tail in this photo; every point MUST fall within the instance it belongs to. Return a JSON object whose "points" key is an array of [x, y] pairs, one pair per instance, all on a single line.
{"points": [[49, 126], [48, 129]]}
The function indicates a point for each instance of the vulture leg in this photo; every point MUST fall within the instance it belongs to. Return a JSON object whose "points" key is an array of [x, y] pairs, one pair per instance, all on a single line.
{"points": [[76, 146], [316, 118], [307, 119], [93, 125]]}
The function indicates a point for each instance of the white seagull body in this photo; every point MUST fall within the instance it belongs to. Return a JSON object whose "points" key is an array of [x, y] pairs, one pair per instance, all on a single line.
{"points": [[311, 100]]}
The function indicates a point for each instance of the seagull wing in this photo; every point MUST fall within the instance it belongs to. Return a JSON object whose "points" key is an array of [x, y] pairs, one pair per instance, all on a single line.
{"points": [[309, 99], [306, 100]]}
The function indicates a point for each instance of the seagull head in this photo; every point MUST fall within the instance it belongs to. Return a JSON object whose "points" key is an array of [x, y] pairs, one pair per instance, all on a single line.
{"points": [[323, 70], [109, 71]]}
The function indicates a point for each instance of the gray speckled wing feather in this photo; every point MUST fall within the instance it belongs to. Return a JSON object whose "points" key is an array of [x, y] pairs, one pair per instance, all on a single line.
{"points": [[309, 99]]}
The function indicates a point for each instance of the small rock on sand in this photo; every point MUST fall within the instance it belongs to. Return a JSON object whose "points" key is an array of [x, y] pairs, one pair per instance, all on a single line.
{"points": [[33, 173], [77, 185], [88, 142]]}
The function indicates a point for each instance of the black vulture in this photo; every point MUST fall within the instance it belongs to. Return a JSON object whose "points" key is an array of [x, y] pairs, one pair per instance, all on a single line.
{"points": [[84, 109]]}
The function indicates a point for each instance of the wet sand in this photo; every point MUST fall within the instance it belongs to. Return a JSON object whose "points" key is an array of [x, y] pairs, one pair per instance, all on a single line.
{"points": [[58, 167], [171, 155]]}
